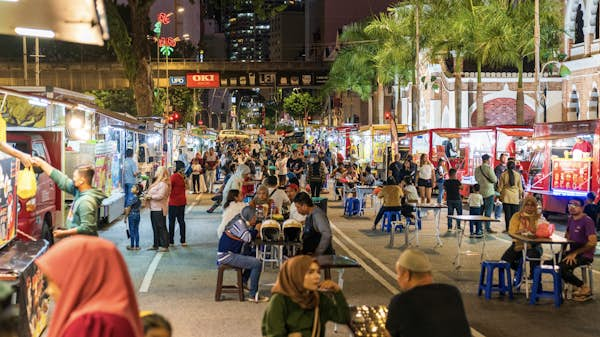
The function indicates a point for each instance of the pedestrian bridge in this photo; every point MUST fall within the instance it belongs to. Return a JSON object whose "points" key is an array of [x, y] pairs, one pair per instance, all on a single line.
{"points": [[90, 76]]}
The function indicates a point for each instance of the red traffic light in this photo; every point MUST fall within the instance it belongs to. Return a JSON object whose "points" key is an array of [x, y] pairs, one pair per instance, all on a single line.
{"points": [[176, 116], [388, 115], [171, 119]]}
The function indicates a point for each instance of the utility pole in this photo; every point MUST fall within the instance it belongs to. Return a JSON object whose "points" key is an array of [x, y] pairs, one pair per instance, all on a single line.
{"points": [[536, 37], [37, 62], [415, 86]]}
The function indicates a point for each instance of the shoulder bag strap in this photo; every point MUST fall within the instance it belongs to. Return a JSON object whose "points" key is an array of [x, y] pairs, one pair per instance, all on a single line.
{"points": [[485, 175], [316, 331]]}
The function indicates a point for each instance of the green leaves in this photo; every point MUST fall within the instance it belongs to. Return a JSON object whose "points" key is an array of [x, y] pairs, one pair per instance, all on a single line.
{"points": [[302, 105]]}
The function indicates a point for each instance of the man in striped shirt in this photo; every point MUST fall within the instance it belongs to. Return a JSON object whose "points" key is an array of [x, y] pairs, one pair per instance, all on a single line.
{"points": [[241, 229]]}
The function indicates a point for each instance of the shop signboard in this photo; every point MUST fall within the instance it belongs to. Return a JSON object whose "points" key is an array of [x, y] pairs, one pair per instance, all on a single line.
{"points": [[203, 80], [8, 200], [177, 80], [571, 175]]}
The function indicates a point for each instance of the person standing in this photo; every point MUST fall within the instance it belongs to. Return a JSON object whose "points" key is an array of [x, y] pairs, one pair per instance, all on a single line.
{"points": [[158, 195], [440, 175], [130, 173], [424, 178], [132, 216], [196, 173], [475, 204], [177, 202], [317, 172], [453, 198], [211, 162], [395, 169], [487, 180], [83, 214], [511, 192], [90, 284], [299, 306], [316, 236], [498, 170], [424, 308], [281, 168], [580, 230]]}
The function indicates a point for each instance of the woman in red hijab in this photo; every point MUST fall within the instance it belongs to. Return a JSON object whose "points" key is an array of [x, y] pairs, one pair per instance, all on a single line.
{"points": [[88, 279]]}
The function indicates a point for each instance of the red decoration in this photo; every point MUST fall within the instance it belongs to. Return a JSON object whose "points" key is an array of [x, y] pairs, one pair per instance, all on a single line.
{"points": [[167, 41], [163, 18]]}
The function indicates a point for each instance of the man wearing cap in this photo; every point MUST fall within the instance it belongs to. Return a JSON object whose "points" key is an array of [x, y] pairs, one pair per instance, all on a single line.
{"points": [[424, 308], [486, 178]]}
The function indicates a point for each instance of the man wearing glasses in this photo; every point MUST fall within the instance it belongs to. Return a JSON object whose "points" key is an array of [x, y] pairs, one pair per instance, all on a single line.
{"points": [[580, 230]]}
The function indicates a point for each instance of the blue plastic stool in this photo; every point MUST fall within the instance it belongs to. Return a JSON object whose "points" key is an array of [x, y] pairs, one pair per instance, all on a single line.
{"points": [[536, 290], [486, 279], [352, 207], [388, 218]]}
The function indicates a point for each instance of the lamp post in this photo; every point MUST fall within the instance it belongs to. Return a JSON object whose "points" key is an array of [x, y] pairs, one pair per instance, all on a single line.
{"points": [[563, 71]]}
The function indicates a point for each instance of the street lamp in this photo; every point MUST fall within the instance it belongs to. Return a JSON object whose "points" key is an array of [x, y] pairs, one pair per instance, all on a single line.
{"points": [[563, 71]]}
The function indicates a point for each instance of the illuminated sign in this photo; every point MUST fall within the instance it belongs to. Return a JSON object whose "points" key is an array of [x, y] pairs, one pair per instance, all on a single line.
{"points": [[177, 80], [203, 80]]}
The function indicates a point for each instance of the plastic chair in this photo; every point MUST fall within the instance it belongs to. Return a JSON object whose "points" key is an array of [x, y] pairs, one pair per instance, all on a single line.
{"points": [[536, 290], [389, 218], [270, 231], [587, 276], [352, 206], [486, 279]]}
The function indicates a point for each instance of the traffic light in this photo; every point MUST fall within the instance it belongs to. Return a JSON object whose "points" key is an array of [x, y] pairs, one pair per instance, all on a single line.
{"points": [[175, 116], [200, 122], [388, 115]]}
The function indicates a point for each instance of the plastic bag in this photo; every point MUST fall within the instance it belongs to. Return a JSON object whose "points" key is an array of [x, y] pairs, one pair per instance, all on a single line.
{"points": [[544, 230], [26, 183]]}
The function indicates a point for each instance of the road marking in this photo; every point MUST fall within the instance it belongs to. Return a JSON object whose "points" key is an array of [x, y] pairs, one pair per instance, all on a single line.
{"points": [[364, 252], [366, 267], [150, 273]]}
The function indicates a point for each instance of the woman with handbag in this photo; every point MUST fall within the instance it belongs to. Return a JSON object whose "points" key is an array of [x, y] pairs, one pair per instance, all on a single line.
{"points": [[301, 305]]}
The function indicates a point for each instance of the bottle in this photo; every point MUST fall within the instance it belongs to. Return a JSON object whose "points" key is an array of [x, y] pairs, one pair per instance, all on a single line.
{"points": [[272, 208]]}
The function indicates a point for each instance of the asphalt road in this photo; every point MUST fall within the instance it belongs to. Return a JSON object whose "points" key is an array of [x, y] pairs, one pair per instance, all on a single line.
{"points": [[180, 284]]}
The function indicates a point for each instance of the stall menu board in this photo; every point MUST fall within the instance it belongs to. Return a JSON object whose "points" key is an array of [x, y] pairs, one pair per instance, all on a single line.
{"points": [[8, 200], [572, 175]]}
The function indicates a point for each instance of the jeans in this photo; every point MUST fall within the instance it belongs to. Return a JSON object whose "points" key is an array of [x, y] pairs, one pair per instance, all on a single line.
{"points": [[497, 210], [488, 206], [134, 228], [454, 205], [440, 185], [384, 209], [127, 190], [210, 179], [252, 268], [509, 211], [196, 183], [315, 189], [475, 226], [159, 229], [176, 212]]}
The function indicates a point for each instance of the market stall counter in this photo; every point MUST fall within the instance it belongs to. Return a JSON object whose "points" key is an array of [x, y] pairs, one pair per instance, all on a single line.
{"points": [[17, 267]]}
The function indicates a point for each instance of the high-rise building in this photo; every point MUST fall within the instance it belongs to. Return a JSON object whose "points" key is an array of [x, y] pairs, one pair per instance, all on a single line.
{"points": [[286, 41]]}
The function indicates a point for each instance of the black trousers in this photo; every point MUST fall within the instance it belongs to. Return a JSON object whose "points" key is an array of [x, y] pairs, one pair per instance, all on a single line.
{"points": [[514, 258], [196, 183], [159, 229], [384, 209], [315, 189], [509, 211], [176, 212], [566, 270]]}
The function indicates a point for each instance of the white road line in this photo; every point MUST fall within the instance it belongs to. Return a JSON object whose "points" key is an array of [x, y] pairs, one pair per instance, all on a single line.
{"points": [[150, 273], [366, 267], [380, 264]]}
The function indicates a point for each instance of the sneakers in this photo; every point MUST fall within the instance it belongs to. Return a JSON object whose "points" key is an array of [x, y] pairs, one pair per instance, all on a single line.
{"points": [[478, 236], [152, 248], [491, 231], [582, 292], [130, 248], [257, 299], [582, 298], [184, 244], [163, 249], [136, 248]]}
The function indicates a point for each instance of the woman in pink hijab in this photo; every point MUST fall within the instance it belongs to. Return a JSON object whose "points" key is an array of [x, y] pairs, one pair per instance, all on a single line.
{"points": [[88, 279]]}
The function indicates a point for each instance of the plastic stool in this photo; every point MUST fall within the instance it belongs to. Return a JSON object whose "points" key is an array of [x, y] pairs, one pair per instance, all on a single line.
{"points": [[388, 218], [238, 288], [536, 290], [486, 279], [587, 277], [352, 206]]}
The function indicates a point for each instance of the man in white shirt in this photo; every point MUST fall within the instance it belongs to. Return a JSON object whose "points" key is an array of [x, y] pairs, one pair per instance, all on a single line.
{"points": [[291, 190], [278, 196]]}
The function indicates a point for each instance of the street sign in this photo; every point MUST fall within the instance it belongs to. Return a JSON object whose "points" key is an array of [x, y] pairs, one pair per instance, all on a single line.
{"points": [[203, 80], [177, 80]]}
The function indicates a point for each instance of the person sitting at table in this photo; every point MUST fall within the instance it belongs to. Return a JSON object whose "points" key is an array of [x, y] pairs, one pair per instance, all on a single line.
{"points": [[391, 193], [292, 190], [299, 304], [316, 236], [351, 176], [279, 196], [367, 178], [262, 199], [339, 175], [241, 229], [424, 308], [580, 230], [524, 221], [232, 207]]}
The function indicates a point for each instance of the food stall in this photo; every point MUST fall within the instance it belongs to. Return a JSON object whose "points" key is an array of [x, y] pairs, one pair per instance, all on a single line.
{"points": [[372, 142], [557, 171]]}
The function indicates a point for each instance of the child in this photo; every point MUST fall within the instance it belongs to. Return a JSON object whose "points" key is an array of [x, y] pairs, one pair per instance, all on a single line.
{"points": [[410, 198], [132, 214], [452, 187], [475, 208], [155, 325]]}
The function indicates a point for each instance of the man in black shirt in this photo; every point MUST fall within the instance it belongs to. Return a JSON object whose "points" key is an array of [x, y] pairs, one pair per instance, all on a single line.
{"points": [[395, 168], [452, 187], [424, 308]]}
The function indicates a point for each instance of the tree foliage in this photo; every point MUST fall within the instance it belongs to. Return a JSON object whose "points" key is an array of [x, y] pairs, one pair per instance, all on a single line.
{"points": [[302, 105]]}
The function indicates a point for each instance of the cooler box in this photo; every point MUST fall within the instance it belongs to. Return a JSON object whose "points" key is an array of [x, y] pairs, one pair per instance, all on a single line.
{"points": [[321, 203]]}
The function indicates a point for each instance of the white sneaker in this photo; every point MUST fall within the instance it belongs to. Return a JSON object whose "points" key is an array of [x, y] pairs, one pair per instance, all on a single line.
{"points": [[257, 299]]}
